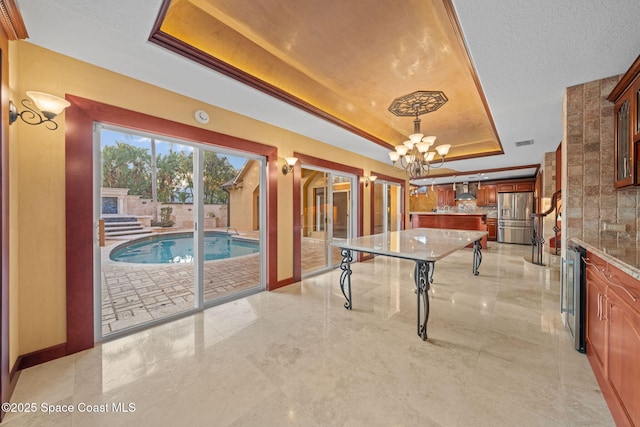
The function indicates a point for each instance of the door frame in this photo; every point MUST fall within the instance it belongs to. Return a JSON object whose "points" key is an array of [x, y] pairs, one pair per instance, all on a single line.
{"points": [[403, 187], [80, 226], [297, 202]]}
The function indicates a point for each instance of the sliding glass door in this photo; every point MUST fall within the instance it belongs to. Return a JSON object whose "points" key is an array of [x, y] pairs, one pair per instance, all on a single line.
{"points": [[179, 228], [387, 206], [328, 204]]}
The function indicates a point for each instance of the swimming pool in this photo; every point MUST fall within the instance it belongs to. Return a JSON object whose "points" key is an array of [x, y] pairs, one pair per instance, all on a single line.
{"points": [[178, 248]]}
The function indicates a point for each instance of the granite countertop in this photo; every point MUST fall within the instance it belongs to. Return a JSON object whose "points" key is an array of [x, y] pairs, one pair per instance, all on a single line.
{"points": [[624, 254]]}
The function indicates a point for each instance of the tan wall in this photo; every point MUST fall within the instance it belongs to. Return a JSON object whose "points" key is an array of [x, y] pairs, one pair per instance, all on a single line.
{"points": [[313, 181], [242, 200], [37, 171], [589, 196]]}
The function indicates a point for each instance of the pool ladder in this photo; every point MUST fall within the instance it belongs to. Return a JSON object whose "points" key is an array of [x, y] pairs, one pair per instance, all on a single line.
{"points": [[232, 228]]}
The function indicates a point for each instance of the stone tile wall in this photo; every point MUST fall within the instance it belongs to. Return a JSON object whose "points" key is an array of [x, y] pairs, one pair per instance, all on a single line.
{"points": [[589, 196]]}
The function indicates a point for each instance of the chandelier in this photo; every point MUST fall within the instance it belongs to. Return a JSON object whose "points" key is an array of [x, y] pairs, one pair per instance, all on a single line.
{"points": [[415, 155]]}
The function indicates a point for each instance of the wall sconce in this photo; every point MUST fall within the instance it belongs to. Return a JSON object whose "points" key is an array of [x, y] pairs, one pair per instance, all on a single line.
{"points": [[369, 179], [49, 105], [288, 168]]}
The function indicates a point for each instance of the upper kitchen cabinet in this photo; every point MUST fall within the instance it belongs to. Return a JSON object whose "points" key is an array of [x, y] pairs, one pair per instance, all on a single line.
{"points": [[487, 195], [626, 97], [516, 187], [446, 196]]}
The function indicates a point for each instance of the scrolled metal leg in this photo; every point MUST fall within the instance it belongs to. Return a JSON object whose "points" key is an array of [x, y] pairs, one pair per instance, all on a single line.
{"points": [[432, 267], [345, 276], [477, 257], [422, 287]]}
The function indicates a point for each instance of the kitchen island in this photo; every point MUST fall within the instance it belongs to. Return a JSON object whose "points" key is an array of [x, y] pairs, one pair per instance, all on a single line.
{"points": [[452, 221]]}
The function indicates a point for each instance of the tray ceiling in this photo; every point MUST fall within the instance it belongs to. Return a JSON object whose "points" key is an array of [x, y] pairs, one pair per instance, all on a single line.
{"points": [[316, 56]]}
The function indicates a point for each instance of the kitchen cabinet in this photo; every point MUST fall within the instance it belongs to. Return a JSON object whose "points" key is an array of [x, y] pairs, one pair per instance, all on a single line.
{"points": [[596, 325], [515, 187], [613, 337], [622, 150], [492, 228], [487, 195], [446, 196], [453, 221], [626, 97]]}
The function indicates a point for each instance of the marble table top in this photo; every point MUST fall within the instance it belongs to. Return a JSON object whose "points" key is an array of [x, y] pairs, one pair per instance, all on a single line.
{"points": [[419, 244]]}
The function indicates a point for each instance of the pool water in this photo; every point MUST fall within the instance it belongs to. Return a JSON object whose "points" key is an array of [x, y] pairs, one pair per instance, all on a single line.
{"points": [[178, 248]]}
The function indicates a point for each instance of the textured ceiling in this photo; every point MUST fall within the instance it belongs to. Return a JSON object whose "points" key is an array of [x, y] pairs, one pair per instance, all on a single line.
{"points": [[525, 54], [348, 69]]}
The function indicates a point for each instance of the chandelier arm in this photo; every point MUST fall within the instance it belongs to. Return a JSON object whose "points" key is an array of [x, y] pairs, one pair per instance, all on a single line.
{"points": [[439, 165]]}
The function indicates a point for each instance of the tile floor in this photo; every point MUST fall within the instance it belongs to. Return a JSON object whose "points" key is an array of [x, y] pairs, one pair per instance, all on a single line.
{"points": [[497, 355], [133, 294]]}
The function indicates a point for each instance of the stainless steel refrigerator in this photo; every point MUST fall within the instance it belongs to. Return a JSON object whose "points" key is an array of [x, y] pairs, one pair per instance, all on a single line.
{"points": [[514, 217]]}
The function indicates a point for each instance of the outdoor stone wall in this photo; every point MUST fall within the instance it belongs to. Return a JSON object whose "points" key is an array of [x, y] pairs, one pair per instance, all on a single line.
{"points": [[589, 196], [182, 214]]}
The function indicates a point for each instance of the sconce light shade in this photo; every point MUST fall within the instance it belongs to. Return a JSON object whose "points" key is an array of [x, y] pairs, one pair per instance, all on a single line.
{"points": [[49, 105], [369, 179], [288, 168]]}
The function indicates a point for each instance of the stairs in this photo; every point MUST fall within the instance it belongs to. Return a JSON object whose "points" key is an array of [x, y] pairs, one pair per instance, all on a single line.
{"points": [[122, 226]]}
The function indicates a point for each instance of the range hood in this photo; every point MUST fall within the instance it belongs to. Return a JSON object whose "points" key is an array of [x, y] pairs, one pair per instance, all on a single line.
{"points": [[465, 195]]}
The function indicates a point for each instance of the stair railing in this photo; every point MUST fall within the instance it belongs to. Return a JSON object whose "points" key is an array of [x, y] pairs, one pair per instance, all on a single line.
{"points": [[537, 236]]}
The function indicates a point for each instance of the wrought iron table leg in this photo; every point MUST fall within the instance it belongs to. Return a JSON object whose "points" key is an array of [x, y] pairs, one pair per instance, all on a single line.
{"points": [[421, 277], [432, 267], [345, 276], [477, 257]]}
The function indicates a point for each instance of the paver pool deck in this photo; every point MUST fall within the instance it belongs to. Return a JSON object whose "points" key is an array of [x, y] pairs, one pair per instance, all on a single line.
{"points": [[137, 293]]}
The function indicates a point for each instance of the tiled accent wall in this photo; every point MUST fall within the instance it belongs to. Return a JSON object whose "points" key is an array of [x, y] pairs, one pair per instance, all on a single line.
{"points": [[549, 168], [589, 196], [423, 202]]}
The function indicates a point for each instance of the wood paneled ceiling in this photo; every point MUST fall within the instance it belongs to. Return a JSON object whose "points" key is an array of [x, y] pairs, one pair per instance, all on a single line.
{"points": [[345, 61]]}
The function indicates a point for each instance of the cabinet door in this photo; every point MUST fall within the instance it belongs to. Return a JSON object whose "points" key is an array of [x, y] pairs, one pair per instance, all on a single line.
{"points": [[491, 195], [441, 196], [481, 196], [623, 369], [524, 186], [492, 228], [451, 197], [506, 188], [623, 148], [596, 323]]}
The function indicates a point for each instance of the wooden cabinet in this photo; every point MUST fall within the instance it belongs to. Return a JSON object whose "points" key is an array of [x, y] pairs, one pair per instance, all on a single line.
{"points": [[613, 337], [446, 196], [454, 221], [623, 365], [595, 324], [514, 187], [487, 195], [622, 150], [492, 228], [626, 97]]}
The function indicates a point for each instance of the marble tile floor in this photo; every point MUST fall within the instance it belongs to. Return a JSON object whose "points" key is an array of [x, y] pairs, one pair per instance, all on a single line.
{"points": [[133, 294], [497, 355]]}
